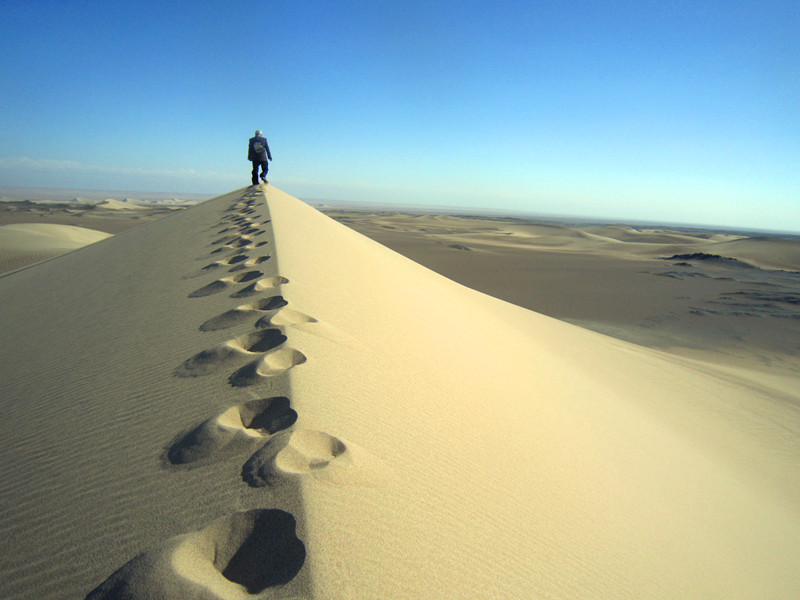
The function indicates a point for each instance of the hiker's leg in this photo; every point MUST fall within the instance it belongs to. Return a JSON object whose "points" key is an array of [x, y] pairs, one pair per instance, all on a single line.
{"points": [[255, 172]]}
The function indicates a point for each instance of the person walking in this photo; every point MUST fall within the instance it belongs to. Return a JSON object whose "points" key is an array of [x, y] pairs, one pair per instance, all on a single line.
{"points": [[258, 153]]}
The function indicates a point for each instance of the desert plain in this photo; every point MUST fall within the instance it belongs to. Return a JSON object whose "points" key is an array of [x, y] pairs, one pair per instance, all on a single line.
{"points": [[250, 398], [731, 297]]}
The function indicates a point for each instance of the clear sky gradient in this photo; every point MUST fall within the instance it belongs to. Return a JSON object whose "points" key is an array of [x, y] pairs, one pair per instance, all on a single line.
{"points": [[672, 111]]}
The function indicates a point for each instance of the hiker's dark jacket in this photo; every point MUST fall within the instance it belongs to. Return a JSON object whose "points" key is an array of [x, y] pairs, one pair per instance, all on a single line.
{"points": [[258, 156]]}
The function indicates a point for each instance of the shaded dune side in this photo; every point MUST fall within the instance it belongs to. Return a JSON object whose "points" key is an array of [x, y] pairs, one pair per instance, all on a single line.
{"points": [[501, 453], [108, 426]]}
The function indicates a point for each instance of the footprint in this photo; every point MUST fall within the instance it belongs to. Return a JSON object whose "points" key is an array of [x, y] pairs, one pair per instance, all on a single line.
{"points": [[212, 288], [308, 450], [232, 249], [256, 342], [284, 317], [239, 428], [232, 241], [236, 556], [213, 359], [221, 284], [295, 452], [234, 259], [249, 263], [203, 271], [267, 416], [239, 242], [224, 240], [238, 260], [235, 221], [259, 286], [248, 276], [240, 228], [269, 365], [242, 313]]}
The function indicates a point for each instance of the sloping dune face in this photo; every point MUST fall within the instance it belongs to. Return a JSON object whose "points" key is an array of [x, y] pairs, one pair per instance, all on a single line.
{"points": [[249, 400], [528, 458], [122, 441]]}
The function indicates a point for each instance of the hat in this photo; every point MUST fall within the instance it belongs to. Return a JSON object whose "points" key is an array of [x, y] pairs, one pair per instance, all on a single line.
{"points": [[258, 132]]}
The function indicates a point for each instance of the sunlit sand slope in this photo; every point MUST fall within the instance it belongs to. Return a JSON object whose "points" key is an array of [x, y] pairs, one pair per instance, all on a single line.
{"points": [[500, 453], [249, 400]]}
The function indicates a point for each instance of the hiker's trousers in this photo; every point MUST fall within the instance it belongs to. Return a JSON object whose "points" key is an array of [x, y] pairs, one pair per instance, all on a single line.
{"points": [[264, 169]]}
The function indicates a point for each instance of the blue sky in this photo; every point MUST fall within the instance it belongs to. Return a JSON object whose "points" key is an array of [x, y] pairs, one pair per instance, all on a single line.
{"points": [[661, 111]]}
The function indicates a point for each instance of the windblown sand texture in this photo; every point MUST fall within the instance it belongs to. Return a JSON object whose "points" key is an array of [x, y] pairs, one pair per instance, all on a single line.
{"points": [[250, 400]]}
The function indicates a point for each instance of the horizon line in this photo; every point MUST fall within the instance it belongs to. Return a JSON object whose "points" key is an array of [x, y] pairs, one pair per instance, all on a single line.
{"points": [[572, 218]]}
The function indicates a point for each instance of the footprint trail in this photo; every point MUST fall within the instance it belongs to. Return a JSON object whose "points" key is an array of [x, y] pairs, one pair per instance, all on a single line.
{"points": [[245, 553]]}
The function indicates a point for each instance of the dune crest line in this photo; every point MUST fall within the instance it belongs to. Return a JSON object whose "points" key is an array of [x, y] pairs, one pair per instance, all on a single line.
{"points": [[258, 549]]}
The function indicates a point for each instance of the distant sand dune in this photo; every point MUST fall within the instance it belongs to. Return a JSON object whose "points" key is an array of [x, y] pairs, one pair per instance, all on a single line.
{"points": [[28, 243], [768, 253], [740, 309], [112, 204]]}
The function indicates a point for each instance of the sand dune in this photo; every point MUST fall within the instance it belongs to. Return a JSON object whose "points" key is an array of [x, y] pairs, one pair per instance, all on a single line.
{"points": [[250, 400], [768, 252], [112, 204], [765, 252], [32, 231], [733, 300], [27, 243]]}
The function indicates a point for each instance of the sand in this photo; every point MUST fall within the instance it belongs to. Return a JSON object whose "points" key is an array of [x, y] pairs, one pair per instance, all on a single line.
{"points": [[29, 243], [33, 231], [733, 299], [248, 399]]}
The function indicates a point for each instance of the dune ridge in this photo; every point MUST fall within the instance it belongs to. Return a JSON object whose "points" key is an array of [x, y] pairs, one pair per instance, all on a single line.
{"points": [[572, 452], [290, 410]]}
